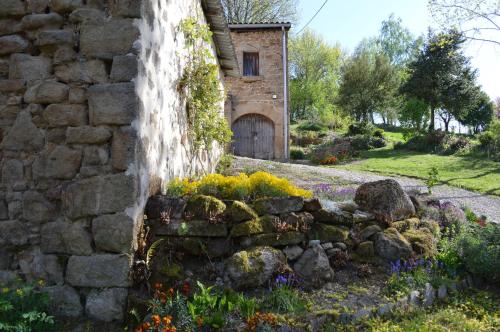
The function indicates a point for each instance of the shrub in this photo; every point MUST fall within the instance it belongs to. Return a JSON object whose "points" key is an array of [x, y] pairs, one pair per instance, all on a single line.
{"points": [[224, 164], [329, 161], [378, 133], [307, 138], [297, 154], [24, 308], [437, 142], [311, 126], [362, 128]]}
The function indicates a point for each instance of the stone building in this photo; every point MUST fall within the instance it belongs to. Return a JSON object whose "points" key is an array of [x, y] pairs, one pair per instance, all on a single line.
{"points": [[258, 102], [92, 123]]}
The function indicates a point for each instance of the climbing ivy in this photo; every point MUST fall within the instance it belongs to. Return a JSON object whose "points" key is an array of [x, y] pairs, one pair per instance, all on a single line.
{"points": [[200, 82]]}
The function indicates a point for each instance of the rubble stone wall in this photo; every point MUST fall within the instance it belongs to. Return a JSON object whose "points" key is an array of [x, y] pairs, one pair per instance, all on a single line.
{"points": [[91, 124]]}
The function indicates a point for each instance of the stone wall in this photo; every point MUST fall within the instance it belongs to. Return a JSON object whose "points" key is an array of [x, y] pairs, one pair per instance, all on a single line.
{"points": [[254, 95], [91, 124]]}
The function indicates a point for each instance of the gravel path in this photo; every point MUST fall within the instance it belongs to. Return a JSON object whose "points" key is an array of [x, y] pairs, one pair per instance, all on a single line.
{"points": [[301, 174]]}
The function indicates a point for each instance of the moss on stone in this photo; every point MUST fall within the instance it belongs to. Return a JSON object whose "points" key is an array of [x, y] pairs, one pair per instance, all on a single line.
{"points": [[432, 226], [172, 270], [404, 225], [422, 241], [240, 211], [365, 249], [332, 313], [247, 228], [328, 233], [204, 207], [274, 239]]}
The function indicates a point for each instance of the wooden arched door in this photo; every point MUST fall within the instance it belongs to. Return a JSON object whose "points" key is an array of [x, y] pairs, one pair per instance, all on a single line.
{"points": [[253, 136]]}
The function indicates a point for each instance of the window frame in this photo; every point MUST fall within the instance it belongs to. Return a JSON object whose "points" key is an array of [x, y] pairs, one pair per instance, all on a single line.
{"points": [[254, 70]]}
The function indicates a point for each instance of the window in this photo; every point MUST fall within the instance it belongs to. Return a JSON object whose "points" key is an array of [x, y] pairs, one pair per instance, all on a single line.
{"points": [[250, 64]]}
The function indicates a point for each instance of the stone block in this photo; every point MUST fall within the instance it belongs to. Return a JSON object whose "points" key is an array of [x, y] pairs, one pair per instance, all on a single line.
{"points": [[9, 26], [91, 71], [13, 233], [100, 195], [109, 38], [37, 6], [126, 8], [107, 305], [13, 44], [87, 135], [112, 104], [95, 156], [124, 68], [193, 228], [29, 68], [8, 115], [66, 237], [65, 6], [123, 148], [98, 271], [114, 233], [24, 135], [47, 92], [38, 21], [62, 115], [12, 172], [12, 8], [63, 54], [47, 39], [77, 95], [64, 301], [87, 16], [37, 208], [35, 266], [59, 162], [278, 205], [15, 209], [12, 85], [4, 211]]}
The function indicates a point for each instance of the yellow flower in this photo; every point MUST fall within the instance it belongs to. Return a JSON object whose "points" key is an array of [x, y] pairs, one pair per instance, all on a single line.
{"points": [[41, 282], [19, 292], [5, 290]]}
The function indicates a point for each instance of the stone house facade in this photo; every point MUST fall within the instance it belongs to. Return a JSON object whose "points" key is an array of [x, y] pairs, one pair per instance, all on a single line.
{"points": [[91, 125], [258, 103]]}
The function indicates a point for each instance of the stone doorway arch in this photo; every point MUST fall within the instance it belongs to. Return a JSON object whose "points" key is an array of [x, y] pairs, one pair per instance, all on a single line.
{"points": [[253, 137]]}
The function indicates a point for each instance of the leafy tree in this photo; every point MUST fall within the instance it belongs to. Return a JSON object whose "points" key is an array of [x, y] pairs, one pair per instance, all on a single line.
{"points": [[369, 84], [480, 114], [476, 19], [441, 75], [414, 114], [251, 11], [315, 75]]}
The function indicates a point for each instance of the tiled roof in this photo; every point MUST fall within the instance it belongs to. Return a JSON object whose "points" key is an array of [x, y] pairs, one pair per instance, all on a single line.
{"points": [[260, 25]]}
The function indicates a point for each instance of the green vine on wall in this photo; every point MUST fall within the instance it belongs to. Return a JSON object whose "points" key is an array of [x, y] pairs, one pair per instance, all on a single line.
{"points": [[201, 83]]}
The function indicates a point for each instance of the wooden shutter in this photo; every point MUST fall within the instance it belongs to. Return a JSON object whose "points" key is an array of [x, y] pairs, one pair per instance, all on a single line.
{"points": [[250, 64]]}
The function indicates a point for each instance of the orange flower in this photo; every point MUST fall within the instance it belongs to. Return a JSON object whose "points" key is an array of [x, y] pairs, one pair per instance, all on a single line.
{"points": [[146, 325], [167, 320], [139, 329], [158, 285], [199, 321], [186, 288], [156, 319], [171, 292]]}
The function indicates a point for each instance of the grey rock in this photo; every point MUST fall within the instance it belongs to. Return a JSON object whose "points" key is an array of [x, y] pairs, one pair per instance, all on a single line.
{"points": [[452, 287], [349, 206], [4, 211], [64, 301], [126, 8], [108, 38], [9, 26], [385, 309], [391, 245], [12, 86], [414, 298], [62, 55], [314, 267], [159, 204], [361, 314], [95, 156], [278, 205], [254, 267], [365, 249], [24, 135], [369, 231], [66, 237], [48, 92], [386, 199], [12, 8], [361, 217], [107, 305], [54, 37], [29, 68], [37, 6], [293, 252], [87, 135], [99, 195], [38, 21], [15, 209], [124, 148], [62, 115], [89, 71], [313, 243], [87, 15], [333, 216], [193, 228], [13, 44], [442, 292], [124, 68], [429, 295], [327, 245], [59, 162], [65, 6], [114, 104], [114, 233], [5, 259], [340, 245], [37, 208], [98, 271], [12, 172], [333, 252], [77, 95], [35, 266], [8, 277], [13, 233], [312, 204]]}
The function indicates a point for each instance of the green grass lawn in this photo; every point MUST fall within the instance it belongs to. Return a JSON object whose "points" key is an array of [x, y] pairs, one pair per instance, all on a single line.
{"points": [[468, 172]]}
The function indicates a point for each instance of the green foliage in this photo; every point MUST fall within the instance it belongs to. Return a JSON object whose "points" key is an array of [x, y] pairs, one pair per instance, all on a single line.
{"points": [[225, 163], [204, 94], [24, 308], [284, 299], [432, 179], [361, 128], [490, 140], [297, 154], [414, 114], [311, 126]]}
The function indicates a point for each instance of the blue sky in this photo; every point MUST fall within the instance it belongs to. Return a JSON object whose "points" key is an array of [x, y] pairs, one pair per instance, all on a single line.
{"points": [[349, 21]]}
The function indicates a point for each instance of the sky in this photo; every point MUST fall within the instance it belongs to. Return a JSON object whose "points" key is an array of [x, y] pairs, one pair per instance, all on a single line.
{"points": [[349, 21]]}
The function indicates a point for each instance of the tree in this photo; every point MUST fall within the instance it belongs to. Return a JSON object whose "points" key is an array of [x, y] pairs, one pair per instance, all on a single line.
{"points": [[315, 75], [414, 114], [252, 11], [476, 19], [480, 114], [369, 84], [440, 73]]}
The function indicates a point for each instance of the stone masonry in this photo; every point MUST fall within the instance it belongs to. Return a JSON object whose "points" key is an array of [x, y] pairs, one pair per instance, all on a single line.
{"points": [[79, 126]]}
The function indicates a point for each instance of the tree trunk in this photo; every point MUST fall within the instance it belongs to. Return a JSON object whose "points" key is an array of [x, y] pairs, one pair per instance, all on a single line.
{"points": [[446, 124], [431, 123]]}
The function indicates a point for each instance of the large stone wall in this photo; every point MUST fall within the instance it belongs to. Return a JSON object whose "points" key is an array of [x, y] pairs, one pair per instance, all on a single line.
{"points": [[91, 124], [254, 95]]}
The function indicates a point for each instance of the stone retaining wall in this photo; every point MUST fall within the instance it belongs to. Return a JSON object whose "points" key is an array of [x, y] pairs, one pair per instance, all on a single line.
{"points": [[91, 124]]}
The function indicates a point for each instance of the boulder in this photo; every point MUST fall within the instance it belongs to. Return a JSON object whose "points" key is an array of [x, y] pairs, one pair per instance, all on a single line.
{"points": [[314, 267], [66, 237], [278, 205], [239, 211], [65, 6], [98, 271], [365, 250], [204, 207], [107, 305], [12, 172], [37, 21], [386, 199], [114, 233], [255, 226], [391, 245], [452, 214], [160, 206], [328, 233], [333, 217], [64, 301], [369, 231], [312, 204], [293, 252], [422, 241], [254, 267], [13, 8]]}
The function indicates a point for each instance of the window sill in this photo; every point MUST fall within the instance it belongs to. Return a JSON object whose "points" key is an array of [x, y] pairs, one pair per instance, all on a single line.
{"points": [[252, 78]]}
